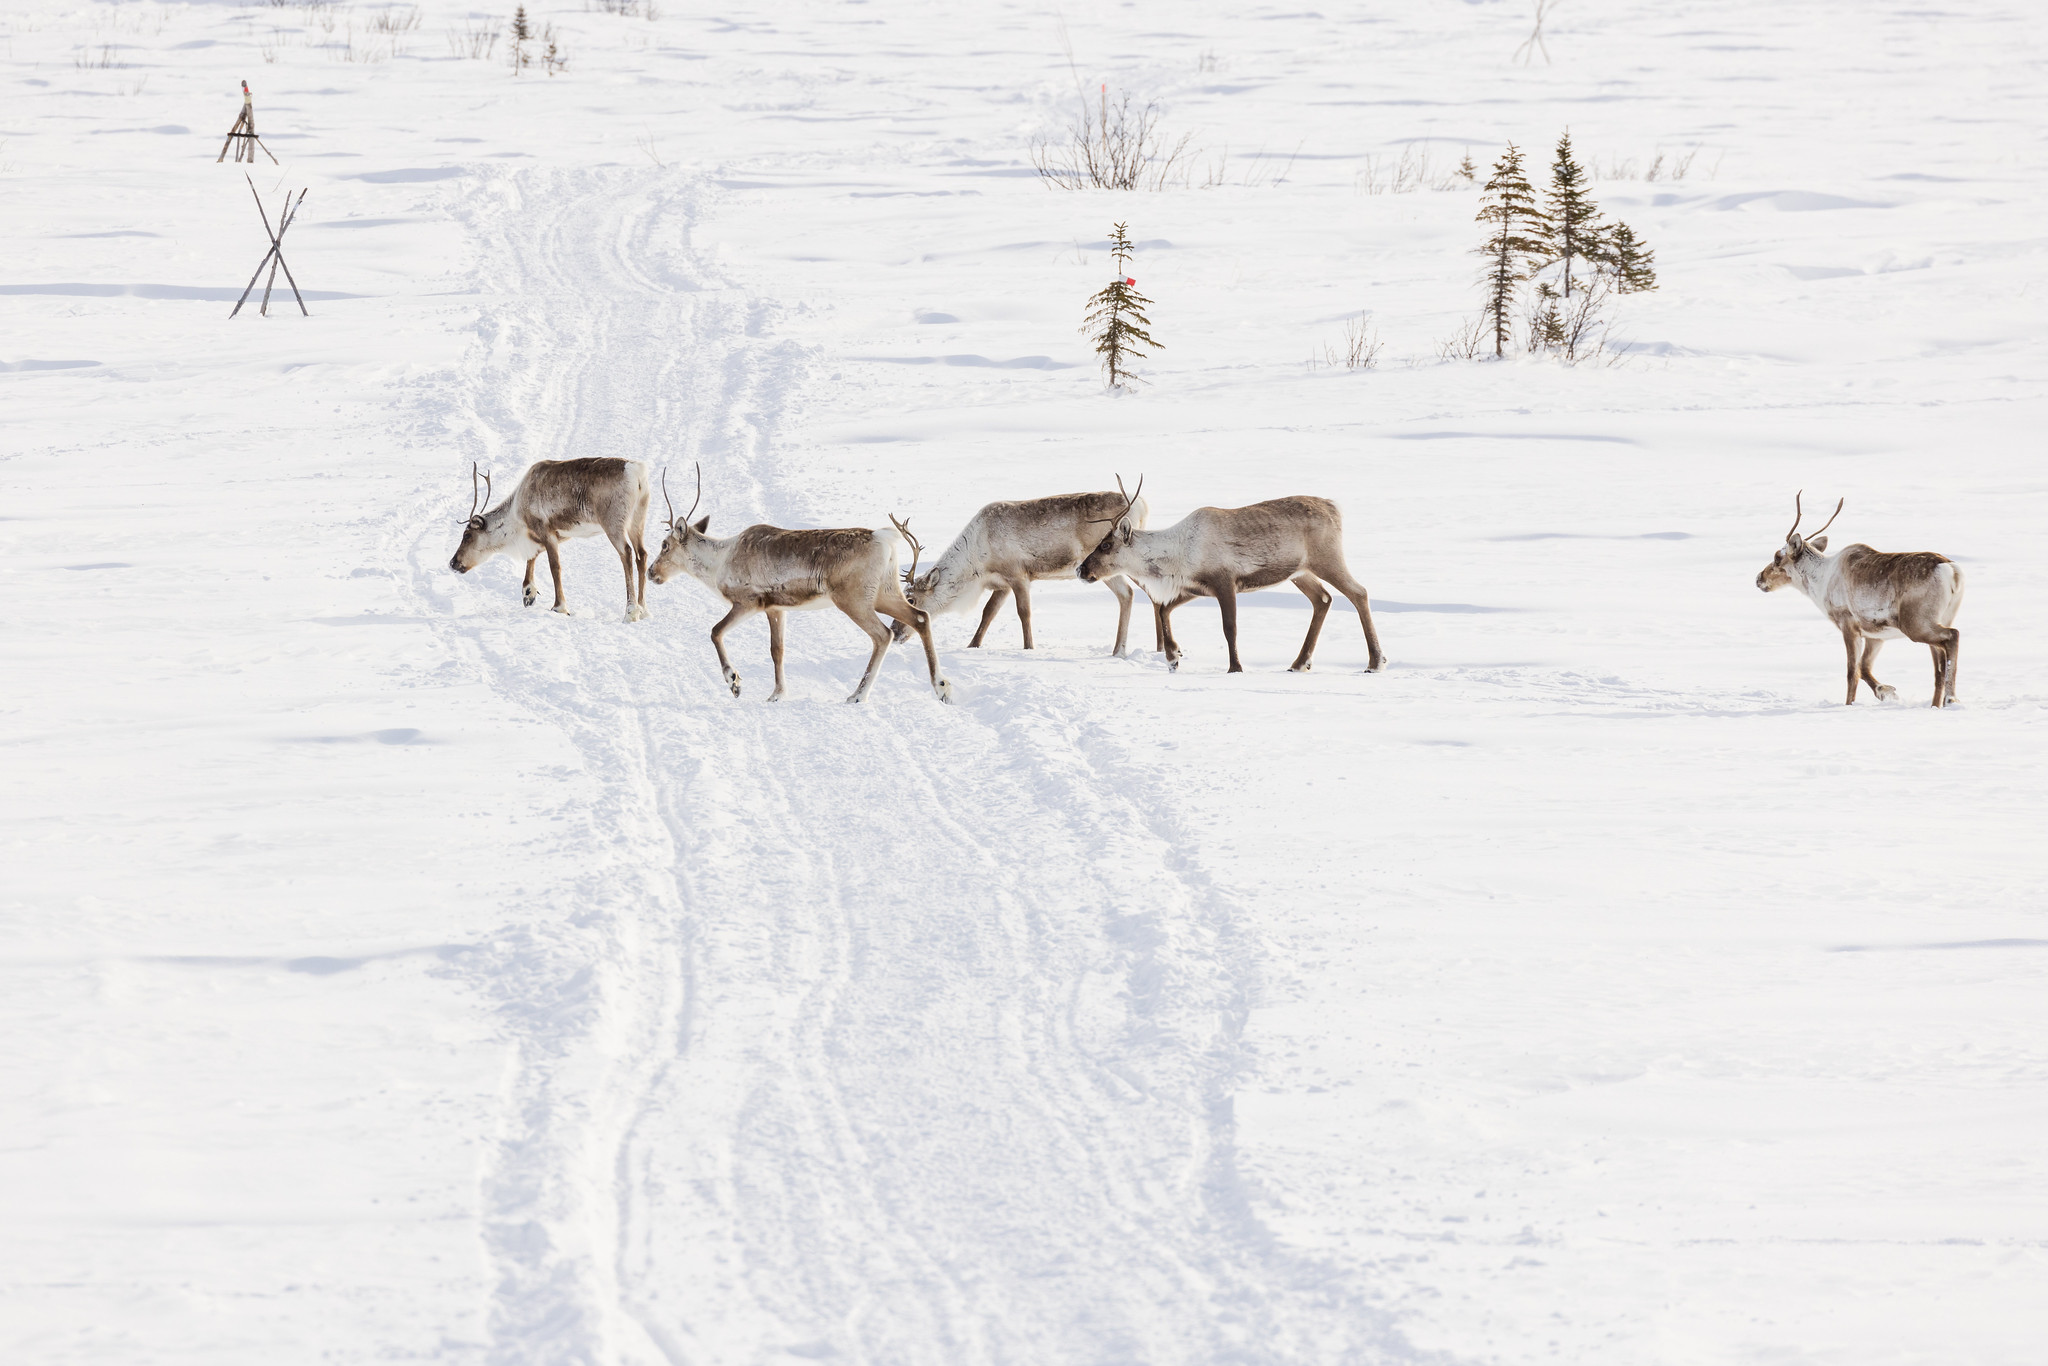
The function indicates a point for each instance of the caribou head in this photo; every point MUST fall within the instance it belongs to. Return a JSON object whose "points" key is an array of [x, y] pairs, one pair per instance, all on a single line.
{"points": [[674, 558], [1778, 573], [479, 542], [1101, 561]]}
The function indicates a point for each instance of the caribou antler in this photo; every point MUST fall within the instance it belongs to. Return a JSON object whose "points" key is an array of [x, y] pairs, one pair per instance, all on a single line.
{"points": [[916, 550], [1130, 501], [672, 523], [1798, 516], [474, 471]]}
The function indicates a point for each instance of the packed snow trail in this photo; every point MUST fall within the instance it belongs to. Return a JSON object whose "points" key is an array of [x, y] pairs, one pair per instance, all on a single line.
{"points": [[896, 1033]]}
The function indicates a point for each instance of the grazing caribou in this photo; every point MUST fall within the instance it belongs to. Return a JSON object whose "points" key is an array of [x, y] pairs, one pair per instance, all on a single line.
{"points": [[1221, 552], [1009, 546], [556, 501], [1873, 597], [768, 569]]}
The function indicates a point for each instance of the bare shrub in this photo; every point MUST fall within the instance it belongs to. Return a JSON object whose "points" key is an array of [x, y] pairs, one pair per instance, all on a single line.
{"points": [[1574, 329], [1113, 147], [1259, 171], [1412, 172], [476, 40], [1661, 166], [1362, 345], [395, 19], [1469, 342], [95, 59]]}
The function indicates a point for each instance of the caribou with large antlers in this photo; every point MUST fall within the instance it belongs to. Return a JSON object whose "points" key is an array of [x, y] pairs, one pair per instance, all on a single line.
{"points": [[772, 570], [1221, 552], [1009, 546], [556, 501], [1872, 597]]}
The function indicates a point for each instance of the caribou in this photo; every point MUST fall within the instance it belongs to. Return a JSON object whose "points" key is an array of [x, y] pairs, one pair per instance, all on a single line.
{"points": [[1221, 552], [556, 501], [772, 570], [1872, 597], [1009, 546]]}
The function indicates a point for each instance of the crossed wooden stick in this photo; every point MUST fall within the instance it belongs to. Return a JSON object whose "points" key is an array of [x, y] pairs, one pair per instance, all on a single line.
{"points": [[275, 256]]}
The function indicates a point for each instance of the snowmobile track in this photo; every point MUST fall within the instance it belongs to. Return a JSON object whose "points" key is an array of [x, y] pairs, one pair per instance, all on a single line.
{"points": [[893, 1033]]}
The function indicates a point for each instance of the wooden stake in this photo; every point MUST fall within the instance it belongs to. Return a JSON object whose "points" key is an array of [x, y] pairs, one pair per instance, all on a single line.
{"points": [[245, 131]]}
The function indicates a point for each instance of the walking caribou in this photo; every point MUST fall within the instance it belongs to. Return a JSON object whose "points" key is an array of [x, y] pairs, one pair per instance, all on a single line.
{"points": [[1872, 597], [556, 501], [768, 569], [1009, 546], [1221, 552]]}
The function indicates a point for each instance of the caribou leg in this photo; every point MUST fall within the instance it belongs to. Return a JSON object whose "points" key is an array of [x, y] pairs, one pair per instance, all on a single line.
{"points": [[1943, 642], [988, 614], [1883, 692], [775, 615], [1340, 577], [860, 610], [740, 612], [1319, 598], [921, 622], [1225, 590], [634, 610], [1853, 643], [555, 572], [527, 591], [1121, 586], [1168, 645], [1022, 588]]}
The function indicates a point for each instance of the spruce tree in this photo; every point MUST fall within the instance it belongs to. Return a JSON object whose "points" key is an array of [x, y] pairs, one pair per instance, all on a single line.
{"points": [[1631, 261], [1116, 319], [520, 32], [1516, 245], [1574, 231]]}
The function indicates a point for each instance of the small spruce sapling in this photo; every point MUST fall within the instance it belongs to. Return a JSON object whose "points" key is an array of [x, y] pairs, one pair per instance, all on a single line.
{"points": [[1516, 245], [1547, 319], [1572, 229], [1116, 320], [522, 34], [1630, 261]]}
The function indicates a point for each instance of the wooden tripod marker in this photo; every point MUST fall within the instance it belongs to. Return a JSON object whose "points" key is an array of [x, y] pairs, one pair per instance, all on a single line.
{"points": [[273, 258], [245, 131]]}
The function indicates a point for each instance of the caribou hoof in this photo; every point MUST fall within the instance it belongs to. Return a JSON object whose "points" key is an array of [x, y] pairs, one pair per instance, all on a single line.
{"points": [[853, 700], [563, 608], [1886, 692], [637, 613], [944, 688], [732, 680], [531, 597], [775, 696], [1297, 668]]}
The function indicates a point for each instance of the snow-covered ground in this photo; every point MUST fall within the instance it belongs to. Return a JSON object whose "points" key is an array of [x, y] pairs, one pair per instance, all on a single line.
{"points": [[391, 972]]}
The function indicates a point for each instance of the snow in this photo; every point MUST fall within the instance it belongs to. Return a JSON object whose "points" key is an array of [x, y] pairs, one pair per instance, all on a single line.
{"points": [[394, 972]]}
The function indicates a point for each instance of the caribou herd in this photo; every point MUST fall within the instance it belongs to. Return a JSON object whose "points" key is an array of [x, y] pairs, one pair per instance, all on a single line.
{"points": [[1101, 538]]}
